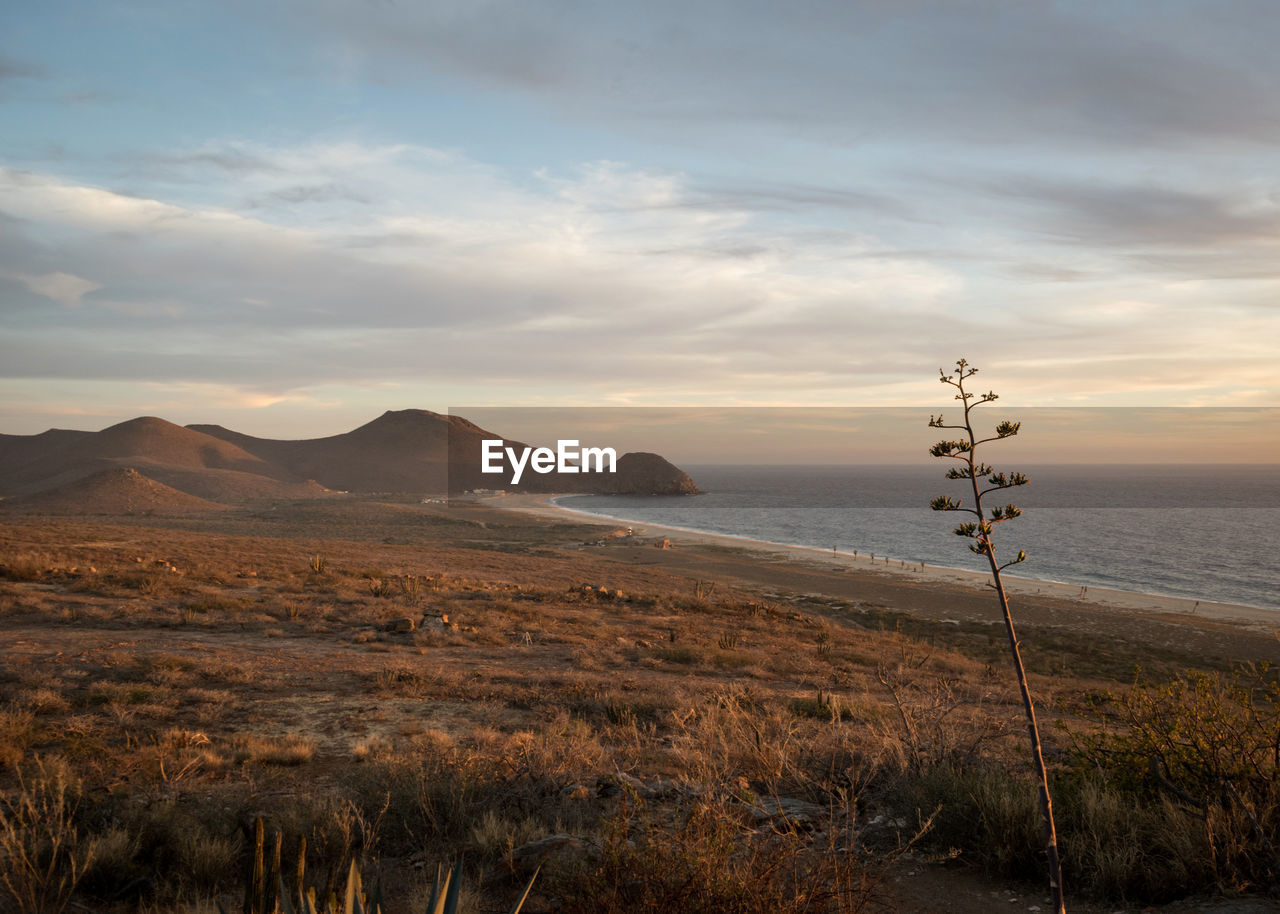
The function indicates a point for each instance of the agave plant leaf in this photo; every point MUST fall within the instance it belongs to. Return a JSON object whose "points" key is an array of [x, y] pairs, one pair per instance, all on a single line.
{"points": [[300, 874], [351, 904], [283, 903], [455, 886], [525, 894], [439, 889]]}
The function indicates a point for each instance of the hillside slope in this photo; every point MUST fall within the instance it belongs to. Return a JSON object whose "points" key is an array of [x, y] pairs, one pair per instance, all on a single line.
{"points": [[181, 458], [402, 451], [115, 491], [416, 450]]}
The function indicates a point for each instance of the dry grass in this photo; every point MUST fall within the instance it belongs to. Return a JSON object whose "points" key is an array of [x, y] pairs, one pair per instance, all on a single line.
{"points": [[255, 680], [44, 852], [26, 566]]}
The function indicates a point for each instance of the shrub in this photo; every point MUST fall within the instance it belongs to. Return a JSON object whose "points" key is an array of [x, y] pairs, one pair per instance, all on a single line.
{"points": [[708, 861], [42, 852], [24, 567], [982, 814], [1203, 749]]}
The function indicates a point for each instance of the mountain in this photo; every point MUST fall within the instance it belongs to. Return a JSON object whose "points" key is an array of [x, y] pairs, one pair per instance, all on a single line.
{"points": [[411, 450], [416, 450], [635, 474], [17, 451], [119, 490], [642, 473], [174, 456], [400, 451]]}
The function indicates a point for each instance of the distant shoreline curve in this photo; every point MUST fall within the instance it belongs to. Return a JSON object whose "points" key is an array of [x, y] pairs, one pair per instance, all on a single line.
{"points": [[547, 505]]}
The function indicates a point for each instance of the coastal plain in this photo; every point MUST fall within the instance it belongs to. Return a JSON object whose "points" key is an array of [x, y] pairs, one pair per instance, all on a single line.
{"points": [[405, 682]]}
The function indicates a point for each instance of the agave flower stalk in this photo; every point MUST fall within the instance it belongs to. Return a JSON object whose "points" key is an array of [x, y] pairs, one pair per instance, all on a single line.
{"points": [[985, 481]]}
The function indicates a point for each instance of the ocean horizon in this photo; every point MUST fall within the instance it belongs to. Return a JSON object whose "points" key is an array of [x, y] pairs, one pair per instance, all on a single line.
{"points": [[1199, 532]]}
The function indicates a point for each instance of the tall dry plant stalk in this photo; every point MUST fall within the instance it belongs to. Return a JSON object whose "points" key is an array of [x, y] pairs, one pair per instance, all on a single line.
{"points": [[984, 480]]}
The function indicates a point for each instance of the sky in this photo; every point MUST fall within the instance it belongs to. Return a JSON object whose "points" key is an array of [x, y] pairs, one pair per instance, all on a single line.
{"points": [[827, 435], [287, 217]]}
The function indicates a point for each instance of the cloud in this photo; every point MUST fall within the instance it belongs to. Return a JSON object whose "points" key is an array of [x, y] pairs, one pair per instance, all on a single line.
{"points": [[421, 268], [764, 195], [233, 160], [60, 287], [1064, 228], [11, 68], [986, 73], [1104, 214], [230, 160], [313, 193], [1048, 272], [458, 266], [90, 97], [658, 202]]}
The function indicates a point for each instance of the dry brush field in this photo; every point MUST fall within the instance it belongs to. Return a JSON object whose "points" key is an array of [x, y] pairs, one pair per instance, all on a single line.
{"points": [[403, 684]]}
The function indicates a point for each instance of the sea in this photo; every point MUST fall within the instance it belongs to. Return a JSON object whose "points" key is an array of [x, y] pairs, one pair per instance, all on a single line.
{"points": [[1202, 532]]}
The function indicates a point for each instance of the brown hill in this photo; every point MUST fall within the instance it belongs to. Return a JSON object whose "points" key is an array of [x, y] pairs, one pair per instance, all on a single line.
{"points": [[642, 473], [167, 443], [230, 487], [183, 459], [636, 474], [67, 458], [16, 451], [410, 450], [400, 451], [416, 450], [119, 490]]}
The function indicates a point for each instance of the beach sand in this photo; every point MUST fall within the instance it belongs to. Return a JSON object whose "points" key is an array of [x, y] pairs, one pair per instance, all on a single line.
{"points": [[1228, 631]]}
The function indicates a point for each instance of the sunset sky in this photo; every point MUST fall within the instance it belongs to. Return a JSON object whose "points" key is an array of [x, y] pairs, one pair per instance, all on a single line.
{"points": [[287, 217]]}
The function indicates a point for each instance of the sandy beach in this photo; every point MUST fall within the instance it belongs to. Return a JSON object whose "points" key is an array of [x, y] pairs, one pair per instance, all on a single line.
{"points": [[546, 506], [1228, 632]]}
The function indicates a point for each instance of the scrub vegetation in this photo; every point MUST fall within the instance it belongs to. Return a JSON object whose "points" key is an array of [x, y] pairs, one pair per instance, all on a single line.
{"points": [[643, 727]]}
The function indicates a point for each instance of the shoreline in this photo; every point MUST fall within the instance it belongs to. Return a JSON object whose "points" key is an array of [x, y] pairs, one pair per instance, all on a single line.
{"points": [[1254, 617]]}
